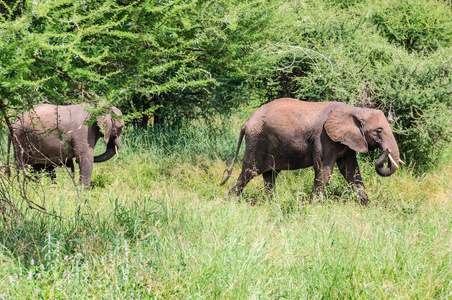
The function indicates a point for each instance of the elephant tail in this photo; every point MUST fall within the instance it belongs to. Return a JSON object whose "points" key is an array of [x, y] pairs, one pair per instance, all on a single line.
{"points": [[229, 169]]}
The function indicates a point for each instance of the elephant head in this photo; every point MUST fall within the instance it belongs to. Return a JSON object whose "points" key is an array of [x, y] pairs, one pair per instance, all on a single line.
{"points": [[363, 129], [111, 126]]}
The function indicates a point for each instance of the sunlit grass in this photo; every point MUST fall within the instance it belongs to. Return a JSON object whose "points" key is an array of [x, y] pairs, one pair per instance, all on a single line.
{"points": [[156, 223]]}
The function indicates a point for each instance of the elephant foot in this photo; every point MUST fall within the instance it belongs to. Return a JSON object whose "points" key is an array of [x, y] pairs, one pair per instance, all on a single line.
{"points": [[363, 200], [362, 197], [316, 197]]}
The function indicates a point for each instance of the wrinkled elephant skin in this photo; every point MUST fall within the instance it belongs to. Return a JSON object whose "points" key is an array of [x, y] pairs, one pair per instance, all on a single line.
{"points": [[288, 134], [52, 135]]}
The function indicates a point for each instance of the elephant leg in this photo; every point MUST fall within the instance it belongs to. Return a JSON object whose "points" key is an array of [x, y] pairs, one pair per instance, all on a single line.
{"points": [[270, 179], [70, 164], [86, 161], [322, 176], [48, 168], [245, 176], [349, 168], [38, 168]]}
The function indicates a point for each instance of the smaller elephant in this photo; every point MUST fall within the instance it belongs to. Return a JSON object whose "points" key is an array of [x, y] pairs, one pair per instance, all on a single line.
{"points": [[288, 134], [48, 136]]}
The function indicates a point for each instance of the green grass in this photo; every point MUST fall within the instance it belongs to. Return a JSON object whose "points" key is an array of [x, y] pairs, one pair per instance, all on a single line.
{"points": [[156, 224]]}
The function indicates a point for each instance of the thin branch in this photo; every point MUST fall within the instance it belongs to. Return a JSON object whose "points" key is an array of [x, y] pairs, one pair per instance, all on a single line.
{"points": [[305, 50], [69, 78]]}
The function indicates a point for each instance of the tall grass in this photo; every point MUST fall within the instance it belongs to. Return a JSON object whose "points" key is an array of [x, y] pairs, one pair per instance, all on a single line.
{"points": [[156, 224]]}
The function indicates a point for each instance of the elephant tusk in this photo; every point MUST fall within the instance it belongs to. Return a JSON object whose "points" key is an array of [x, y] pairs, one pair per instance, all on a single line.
{"points": [[116, 150], [393, 161], [401, 162]]}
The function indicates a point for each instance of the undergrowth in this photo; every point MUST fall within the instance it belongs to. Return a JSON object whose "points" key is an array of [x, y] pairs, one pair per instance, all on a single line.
{"points": [[156, 223]]}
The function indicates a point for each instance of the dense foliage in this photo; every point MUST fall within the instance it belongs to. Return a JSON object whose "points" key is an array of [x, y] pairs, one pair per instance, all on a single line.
{"points": [[370, 64], [171, 55], [166, 62], [421, 26]]}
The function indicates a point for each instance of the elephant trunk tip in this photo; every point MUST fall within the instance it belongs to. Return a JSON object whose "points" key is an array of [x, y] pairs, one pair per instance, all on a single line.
{"points": [[392, 166]]}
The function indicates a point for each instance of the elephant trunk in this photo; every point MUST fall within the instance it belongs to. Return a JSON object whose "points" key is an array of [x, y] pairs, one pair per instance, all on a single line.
{"points": [[111, 150], [392, 163]]}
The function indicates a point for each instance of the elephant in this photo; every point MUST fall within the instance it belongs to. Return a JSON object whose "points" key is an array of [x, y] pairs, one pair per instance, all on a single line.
{"points": [[48, 136], [289, 134]]}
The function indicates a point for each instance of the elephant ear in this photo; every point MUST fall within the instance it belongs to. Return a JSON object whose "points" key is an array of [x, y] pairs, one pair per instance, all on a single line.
{"points": [[105, 124], [343, 126]]}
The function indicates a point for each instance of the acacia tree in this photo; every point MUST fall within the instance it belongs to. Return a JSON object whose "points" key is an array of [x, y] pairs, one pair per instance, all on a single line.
{"points": [[187, 53], [396, 60], [170, 53]]}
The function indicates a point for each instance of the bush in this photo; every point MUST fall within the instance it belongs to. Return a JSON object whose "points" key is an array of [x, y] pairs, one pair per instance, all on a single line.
{"points": [[416, 25], [417, 92], [411, 87]]}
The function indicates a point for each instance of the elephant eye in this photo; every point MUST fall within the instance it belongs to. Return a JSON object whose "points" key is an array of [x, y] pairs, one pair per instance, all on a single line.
{"points": [[378, 130]]}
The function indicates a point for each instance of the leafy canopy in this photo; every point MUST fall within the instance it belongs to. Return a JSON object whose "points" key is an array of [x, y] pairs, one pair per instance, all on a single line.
{"points": [[66, 51]]}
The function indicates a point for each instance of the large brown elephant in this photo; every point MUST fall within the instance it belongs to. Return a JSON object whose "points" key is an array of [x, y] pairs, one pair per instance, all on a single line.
{"points": [[288, 134], [52, 135]]}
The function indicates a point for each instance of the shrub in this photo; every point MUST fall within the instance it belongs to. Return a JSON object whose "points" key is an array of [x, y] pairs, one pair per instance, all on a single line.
{"points": [[411, 87], [416, 25]]}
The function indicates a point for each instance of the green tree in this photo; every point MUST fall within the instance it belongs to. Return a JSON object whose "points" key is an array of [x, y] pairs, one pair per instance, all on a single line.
{"points": [[191, 52], [167, 53]]}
